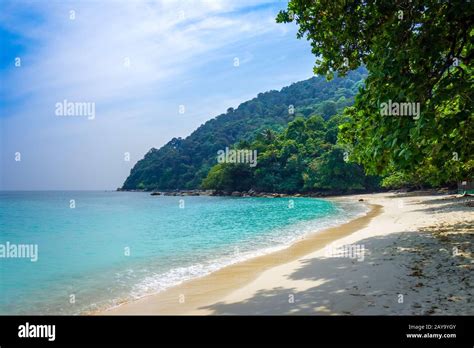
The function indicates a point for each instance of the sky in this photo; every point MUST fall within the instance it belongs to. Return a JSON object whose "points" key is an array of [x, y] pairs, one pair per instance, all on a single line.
{"points": [[150, 71]]}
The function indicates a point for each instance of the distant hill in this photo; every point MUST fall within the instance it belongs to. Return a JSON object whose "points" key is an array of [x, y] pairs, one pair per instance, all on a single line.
{"points": [[184, 163]]}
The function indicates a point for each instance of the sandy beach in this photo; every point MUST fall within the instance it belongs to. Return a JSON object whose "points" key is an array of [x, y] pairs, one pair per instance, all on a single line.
{"points": [[411, 254]]}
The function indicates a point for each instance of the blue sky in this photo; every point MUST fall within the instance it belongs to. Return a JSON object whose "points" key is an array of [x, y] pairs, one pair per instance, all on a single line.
{"points": [[138, 62]]}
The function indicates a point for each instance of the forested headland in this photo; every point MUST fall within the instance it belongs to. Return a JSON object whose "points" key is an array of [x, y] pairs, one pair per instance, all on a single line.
{"points": [[391, 107]]}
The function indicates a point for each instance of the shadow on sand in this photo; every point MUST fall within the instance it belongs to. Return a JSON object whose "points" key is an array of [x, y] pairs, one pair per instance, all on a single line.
{"points": [[343, 285]]}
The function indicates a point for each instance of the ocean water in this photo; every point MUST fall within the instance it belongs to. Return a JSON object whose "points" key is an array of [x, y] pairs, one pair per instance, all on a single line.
{"points": [[113, 246]]}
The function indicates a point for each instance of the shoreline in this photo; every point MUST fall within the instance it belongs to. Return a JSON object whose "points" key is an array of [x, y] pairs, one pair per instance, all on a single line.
{"points": [[202, 290], [418, 260]]}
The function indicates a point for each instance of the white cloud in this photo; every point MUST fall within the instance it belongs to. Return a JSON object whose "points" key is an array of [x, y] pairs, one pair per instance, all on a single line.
{"points": [[85, 57]]}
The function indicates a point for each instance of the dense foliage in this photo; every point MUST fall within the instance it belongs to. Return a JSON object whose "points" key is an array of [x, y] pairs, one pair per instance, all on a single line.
{"points": [[415, 51], [303, 158], [183, 163]]}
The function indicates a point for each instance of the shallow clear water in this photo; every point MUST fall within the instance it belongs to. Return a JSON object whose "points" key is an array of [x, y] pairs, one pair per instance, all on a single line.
{"points": [[83, 251]]}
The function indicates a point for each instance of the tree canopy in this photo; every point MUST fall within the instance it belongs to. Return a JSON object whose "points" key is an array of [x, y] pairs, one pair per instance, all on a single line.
{"points": [[416, 52], [303, 158]]}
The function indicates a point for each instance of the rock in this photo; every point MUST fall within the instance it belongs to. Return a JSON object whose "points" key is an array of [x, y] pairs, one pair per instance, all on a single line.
{"points": [[236, 194], [189, 193], [155, 193], [361, 200]]}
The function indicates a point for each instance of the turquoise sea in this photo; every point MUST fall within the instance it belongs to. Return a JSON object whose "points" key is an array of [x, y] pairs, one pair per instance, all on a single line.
{"points": [[98, 248]]}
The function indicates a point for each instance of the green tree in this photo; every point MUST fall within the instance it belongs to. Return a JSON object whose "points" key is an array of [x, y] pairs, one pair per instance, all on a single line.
{"points": [[299, 159], [415, 51], [328, 109], [229, 177]]}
